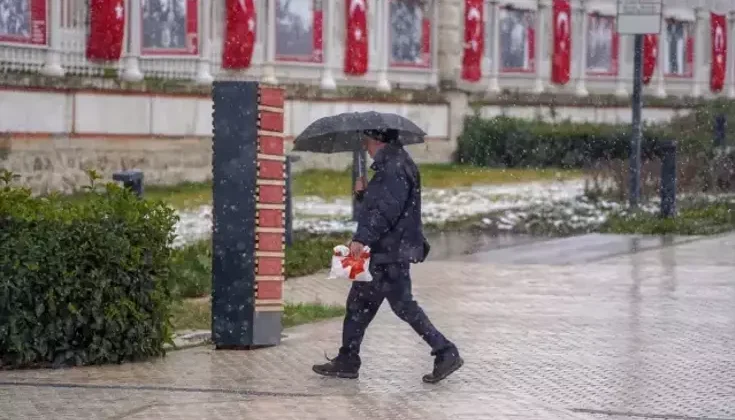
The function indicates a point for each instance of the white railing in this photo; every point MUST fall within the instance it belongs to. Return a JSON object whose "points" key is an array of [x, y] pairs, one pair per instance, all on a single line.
{"points": [[62, 50]]}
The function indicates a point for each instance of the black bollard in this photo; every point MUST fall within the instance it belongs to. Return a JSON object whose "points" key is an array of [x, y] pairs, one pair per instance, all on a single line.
{"points": [[248, 201], [359, 157], [289, 199], [668, 179], [132, 180], [719, 130]]}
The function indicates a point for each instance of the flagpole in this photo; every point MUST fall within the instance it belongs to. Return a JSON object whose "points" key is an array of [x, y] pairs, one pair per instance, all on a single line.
{"points": [[637, 124]]}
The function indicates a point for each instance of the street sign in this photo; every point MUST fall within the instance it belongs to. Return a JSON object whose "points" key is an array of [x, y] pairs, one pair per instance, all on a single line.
{"points": [[639, 17]]}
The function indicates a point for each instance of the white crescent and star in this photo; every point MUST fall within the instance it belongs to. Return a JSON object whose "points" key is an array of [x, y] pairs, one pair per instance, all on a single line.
{"points": [[354, 5], [474, 14], [119, 11], [719, 38], [719, 43], [251, 22], [562, 24], [654, 50]]}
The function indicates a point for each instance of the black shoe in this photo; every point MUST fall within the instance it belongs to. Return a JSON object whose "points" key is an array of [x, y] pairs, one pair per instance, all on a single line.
{"points": [[339, 367], [444, 365]]}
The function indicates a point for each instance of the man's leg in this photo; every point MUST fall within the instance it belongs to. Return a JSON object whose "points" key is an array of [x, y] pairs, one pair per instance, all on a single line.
{"points": [[397, 289], [363, 303]]}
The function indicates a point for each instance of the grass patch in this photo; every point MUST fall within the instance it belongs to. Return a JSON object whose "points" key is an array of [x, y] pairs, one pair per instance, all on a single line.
{"points": [[696, 219], [453, 175], [191, 265], [330, 183], [192, 314], [196, 314]]}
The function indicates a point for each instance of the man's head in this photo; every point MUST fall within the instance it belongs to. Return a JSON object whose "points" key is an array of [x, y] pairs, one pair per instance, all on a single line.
{"points": [[372, 142]]}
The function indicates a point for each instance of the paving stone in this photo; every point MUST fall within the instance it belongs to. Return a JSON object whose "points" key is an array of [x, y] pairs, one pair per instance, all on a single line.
{"points": [[631, 337]]}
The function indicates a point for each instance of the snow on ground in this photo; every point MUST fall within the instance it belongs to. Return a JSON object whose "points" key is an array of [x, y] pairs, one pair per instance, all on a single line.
{"points": [[318, 215]]}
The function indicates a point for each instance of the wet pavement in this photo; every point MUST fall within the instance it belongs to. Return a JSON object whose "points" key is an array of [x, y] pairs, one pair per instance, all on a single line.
{"points": [[579, 334], [572, 250]]}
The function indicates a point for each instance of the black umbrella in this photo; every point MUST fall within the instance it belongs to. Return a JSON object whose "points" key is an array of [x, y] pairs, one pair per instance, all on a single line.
{"points": [[343, 132]]}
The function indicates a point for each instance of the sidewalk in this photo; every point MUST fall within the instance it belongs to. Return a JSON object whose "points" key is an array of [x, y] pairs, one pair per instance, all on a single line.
{"points": [[645, 335]]}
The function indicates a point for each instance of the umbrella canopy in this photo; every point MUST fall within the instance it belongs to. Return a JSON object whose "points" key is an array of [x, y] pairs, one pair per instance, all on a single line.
{"points": [[343, 132]]}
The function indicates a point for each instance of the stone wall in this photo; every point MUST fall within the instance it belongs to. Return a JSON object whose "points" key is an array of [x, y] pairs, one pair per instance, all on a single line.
{"points": [[51, 135], [58, 163]]}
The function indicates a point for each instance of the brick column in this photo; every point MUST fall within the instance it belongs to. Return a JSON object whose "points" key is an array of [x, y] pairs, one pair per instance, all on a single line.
{"points": [[248, 166], [270, 240]]}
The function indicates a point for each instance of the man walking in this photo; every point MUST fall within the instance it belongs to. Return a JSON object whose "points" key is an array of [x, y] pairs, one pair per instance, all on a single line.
{"points": [[390, 224]]}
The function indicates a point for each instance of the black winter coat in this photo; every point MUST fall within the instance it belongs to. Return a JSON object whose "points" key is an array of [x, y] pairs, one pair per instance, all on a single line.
{"points": [[389, 221]]}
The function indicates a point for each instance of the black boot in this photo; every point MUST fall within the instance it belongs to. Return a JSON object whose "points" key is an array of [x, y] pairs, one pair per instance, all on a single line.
{"points": [[341, 366], [445, 364]]}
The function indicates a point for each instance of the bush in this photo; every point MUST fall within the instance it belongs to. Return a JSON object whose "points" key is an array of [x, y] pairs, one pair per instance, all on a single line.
{"points": [[512, 142], [191, 270], [83, 282]]}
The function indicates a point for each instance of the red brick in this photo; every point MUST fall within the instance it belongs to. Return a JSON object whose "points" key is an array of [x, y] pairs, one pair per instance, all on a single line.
{"points": [[269, 290], [270, 218], [271, 169], [270, 266], [271, 121], [270, 242], [272, 194], [271, 97], [271, 145]]}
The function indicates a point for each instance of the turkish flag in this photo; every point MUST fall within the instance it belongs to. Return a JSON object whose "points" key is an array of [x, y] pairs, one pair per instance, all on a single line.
{"points": [[689, 56], [356, 51], [561, 57], [106, 30], [650, 57], [474, 40], [718, 28], [239, 41]]}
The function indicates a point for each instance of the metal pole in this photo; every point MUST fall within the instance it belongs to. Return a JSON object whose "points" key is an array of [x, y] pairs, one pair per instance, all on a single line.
{"points": [[720, 128], [668, 179], [358, 171], [289, 204], [637, 129]]}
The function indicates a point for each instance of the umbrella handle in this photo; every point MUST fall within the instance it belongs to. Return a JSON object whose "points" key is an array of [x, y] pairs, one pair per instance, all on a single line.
{"points": [[361, 163]]}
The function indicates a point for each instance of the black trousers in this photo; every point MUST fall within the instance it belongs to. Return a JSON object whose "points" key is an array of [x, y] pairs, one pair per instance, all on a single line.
{"points": [[391, 282]]}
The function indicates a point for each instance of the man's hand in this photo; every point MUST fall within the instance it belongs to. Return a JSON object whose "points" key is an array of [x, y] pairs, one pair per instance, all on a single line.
{"points": [[360, 184], [356, 248]]}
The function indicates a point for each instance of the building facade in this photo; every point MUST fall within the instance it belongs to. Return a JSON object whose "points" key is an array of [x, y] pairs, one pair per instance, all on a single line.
{"points": [[410, 43], [433, 61]]}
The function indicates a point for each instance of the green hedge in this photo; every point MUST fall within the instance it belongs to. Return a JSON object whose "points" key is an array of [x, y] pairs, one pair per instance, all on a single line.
{"points": [[512, 142], [83, 282]]}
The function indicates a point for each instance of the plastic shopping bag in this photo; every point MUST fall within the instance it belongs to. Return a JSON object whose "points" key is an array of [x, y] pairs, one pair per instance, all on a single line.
{"points": [[344, 266]]}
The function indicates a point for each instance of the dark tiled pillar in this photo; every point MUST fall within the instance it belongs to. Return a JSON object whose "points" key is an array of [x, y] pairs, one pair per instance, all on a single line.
{"points": [[248, 165]]}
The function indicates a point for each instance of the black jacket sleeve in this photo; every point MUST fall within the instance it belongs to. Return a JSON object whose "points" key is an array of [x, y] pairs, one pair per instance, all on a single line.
{"points": [[384, 201]]}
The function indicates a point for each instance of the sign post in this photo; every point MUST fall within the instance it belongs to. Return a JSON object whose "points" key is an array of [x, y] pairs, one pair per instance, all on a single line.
{"points": [[638, 18]]}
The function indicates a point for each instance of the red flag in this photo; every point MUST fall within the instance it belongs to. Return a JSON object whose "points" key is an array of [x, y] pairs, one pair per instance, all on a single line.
{"points": [[531, 41], [650, 56], [317, 29], [474, 40], [426, 42], [239, 42], [356, 51], [689, 55], [106, 30], [561, 57], [718, 28]]}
